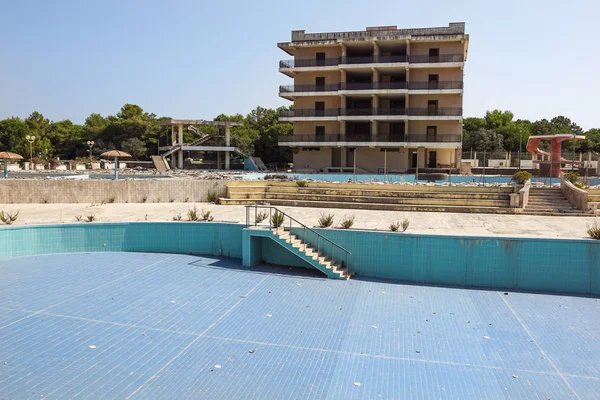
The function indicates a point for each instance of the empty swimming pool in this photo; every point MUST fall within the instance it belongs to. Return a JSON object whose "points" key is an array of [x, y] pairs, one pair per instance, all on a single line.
{"points": [[138, 325]]}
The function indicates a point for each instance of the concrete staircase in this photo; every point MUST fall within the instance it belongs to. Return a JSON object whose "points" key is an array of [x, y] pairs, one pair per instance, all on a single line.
{"points": [[317, 259], [371, 196], [549, 201]]}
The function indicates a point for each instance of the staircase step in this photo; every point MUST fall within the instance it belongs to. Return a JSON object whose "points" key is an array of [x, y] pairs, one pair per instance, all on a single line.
{"points": [[370, 206]]}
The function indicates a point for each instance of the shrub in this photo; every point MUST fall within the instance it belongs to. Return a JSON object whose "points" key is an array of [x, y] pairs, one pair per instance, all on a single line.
{"points": [[8, 218], [144, 199], [79, 217], [401, 226], [326, 220], [45, 200], [594, 231], [347, 222], [404, 224], [193, 214], [261, 216], [301, 183], [277, 219], [212, 197], [177, 217], [111, 199], [521, 177], [574, 178], [206, 216], [90, 218], [276, 177]]}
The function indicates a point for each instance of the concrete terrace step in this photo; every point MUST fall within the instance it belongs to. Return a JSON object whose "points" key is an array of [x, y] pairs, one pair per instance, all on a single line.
{"points": [[236, 191], [318, 260], [372, 199], [370, 206], [554, 213]]}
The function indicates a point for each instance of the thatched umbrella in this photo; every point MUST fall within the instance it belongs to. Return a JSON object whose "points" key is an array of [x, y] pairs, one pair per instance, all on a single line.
{"points": [[115, 154], [7, 155]]}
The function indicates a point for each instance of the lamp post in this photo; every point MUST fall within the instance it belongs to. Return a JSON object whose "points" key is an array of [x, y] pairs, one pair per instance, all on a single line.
{"points": [[90, 143], [573, 158], [520, 145], [30, 139]]}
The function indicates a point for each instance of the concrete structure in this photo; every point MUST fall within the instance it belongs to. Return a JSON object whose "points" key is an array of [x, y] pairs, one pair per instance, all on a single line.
{"points": [[555, 160], [178, 146], [380, 100], [25, 191]]}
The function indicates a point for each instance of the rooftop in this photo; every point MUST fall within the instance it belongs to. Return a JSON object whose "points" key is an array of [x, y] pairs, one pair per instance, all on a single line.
{"points": [[454, 31], [135, 325]]}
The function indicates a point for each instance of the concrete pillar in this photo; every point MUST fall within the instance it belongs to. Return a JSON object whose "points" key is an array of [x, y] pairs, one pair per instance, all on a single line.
{"points": [[218, 160], [421, 155], [407, 47], [343, 76], [180, 152], [227, 143], [173, 143], [375, 75], [376, 50], [343, 129], [374, 130], [555, 154]]}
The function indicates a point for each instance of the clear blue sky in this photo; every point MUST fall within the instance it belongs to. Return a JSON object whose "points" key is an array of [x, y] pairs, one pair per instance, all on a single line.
{"points": [[197, 59]]}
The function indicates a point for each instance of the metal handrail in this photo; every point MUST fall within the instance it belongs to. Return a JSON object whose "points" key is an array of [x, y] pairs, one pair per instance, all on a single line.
{"points": [[303, 241]]}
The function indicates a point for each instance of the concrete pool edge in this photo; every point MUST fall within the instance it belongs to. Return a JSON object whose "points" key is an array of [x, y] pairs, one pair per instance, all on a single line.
{"points": [[537, 264]]}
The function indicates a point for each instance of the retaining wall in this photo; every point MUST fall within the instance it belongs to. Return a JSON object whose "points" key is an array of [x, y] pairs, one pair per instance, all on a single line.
{"points": [[98, 190], [513, 263], [551, 265]]}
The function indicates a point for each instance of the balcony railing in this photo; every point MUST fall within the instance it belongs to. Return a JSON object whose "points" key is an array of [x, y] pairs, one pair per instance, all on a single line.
{"points": [[367, 138], [436, 112], [439, 138], [442, 58], [330, 87], [334, 87], [335, 112], [308, 112], [328, 62], [443, 85]]}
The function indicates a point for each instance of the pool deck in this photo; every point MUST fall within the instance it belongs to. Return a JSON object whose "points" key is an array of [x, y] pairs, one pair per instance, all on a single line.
{"points": [[437, 223], [135, 325]]}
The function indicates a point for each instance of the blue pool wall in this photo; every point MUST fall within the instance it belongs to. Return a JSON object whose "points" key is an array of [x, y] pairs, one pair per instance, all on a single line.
{"points": [[513, 263], [551, 265], [218, 239]]}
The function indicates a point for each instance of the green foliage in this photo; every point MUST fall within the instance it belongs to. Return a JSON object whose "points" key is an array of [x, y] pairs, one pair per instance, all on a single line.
{"points": [[521, 177], [193, 214], [301, 183], [79, 218], [347, 222], [487, 139], [326, 220], [90, 218], [111, 199], [8, 218], [144, 199], [177, 217], [594, 230], [574, 178], [277, 219], [401, 226], [206, 215], [212, 197], [261, 216], [135, 147]]}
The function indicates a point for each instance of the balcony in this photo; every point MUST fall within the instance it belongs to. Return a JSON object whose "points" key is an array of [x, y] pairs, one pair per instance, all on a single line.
{"points": [[400, 59], [339, 139], [442, 58], [342, 112], [435, 112], [443, 85], [346, 86], [330, 62]]}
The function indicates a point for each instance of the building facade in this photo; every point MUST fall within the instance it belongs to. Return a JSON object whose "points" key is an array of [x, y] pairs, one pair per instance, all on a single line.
{"points": [[382, 100]]}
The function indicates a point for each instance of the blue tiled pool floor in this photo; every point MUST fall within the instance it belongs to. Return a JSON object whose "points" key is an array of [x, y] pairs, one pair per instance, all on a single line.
{"points": [[131, 325]]}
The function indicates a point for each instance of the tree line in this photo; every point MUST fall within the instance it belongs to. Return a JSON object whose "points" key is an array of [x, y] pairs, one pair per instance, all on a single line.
{"points": [[137, 132], [499, 131]]}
